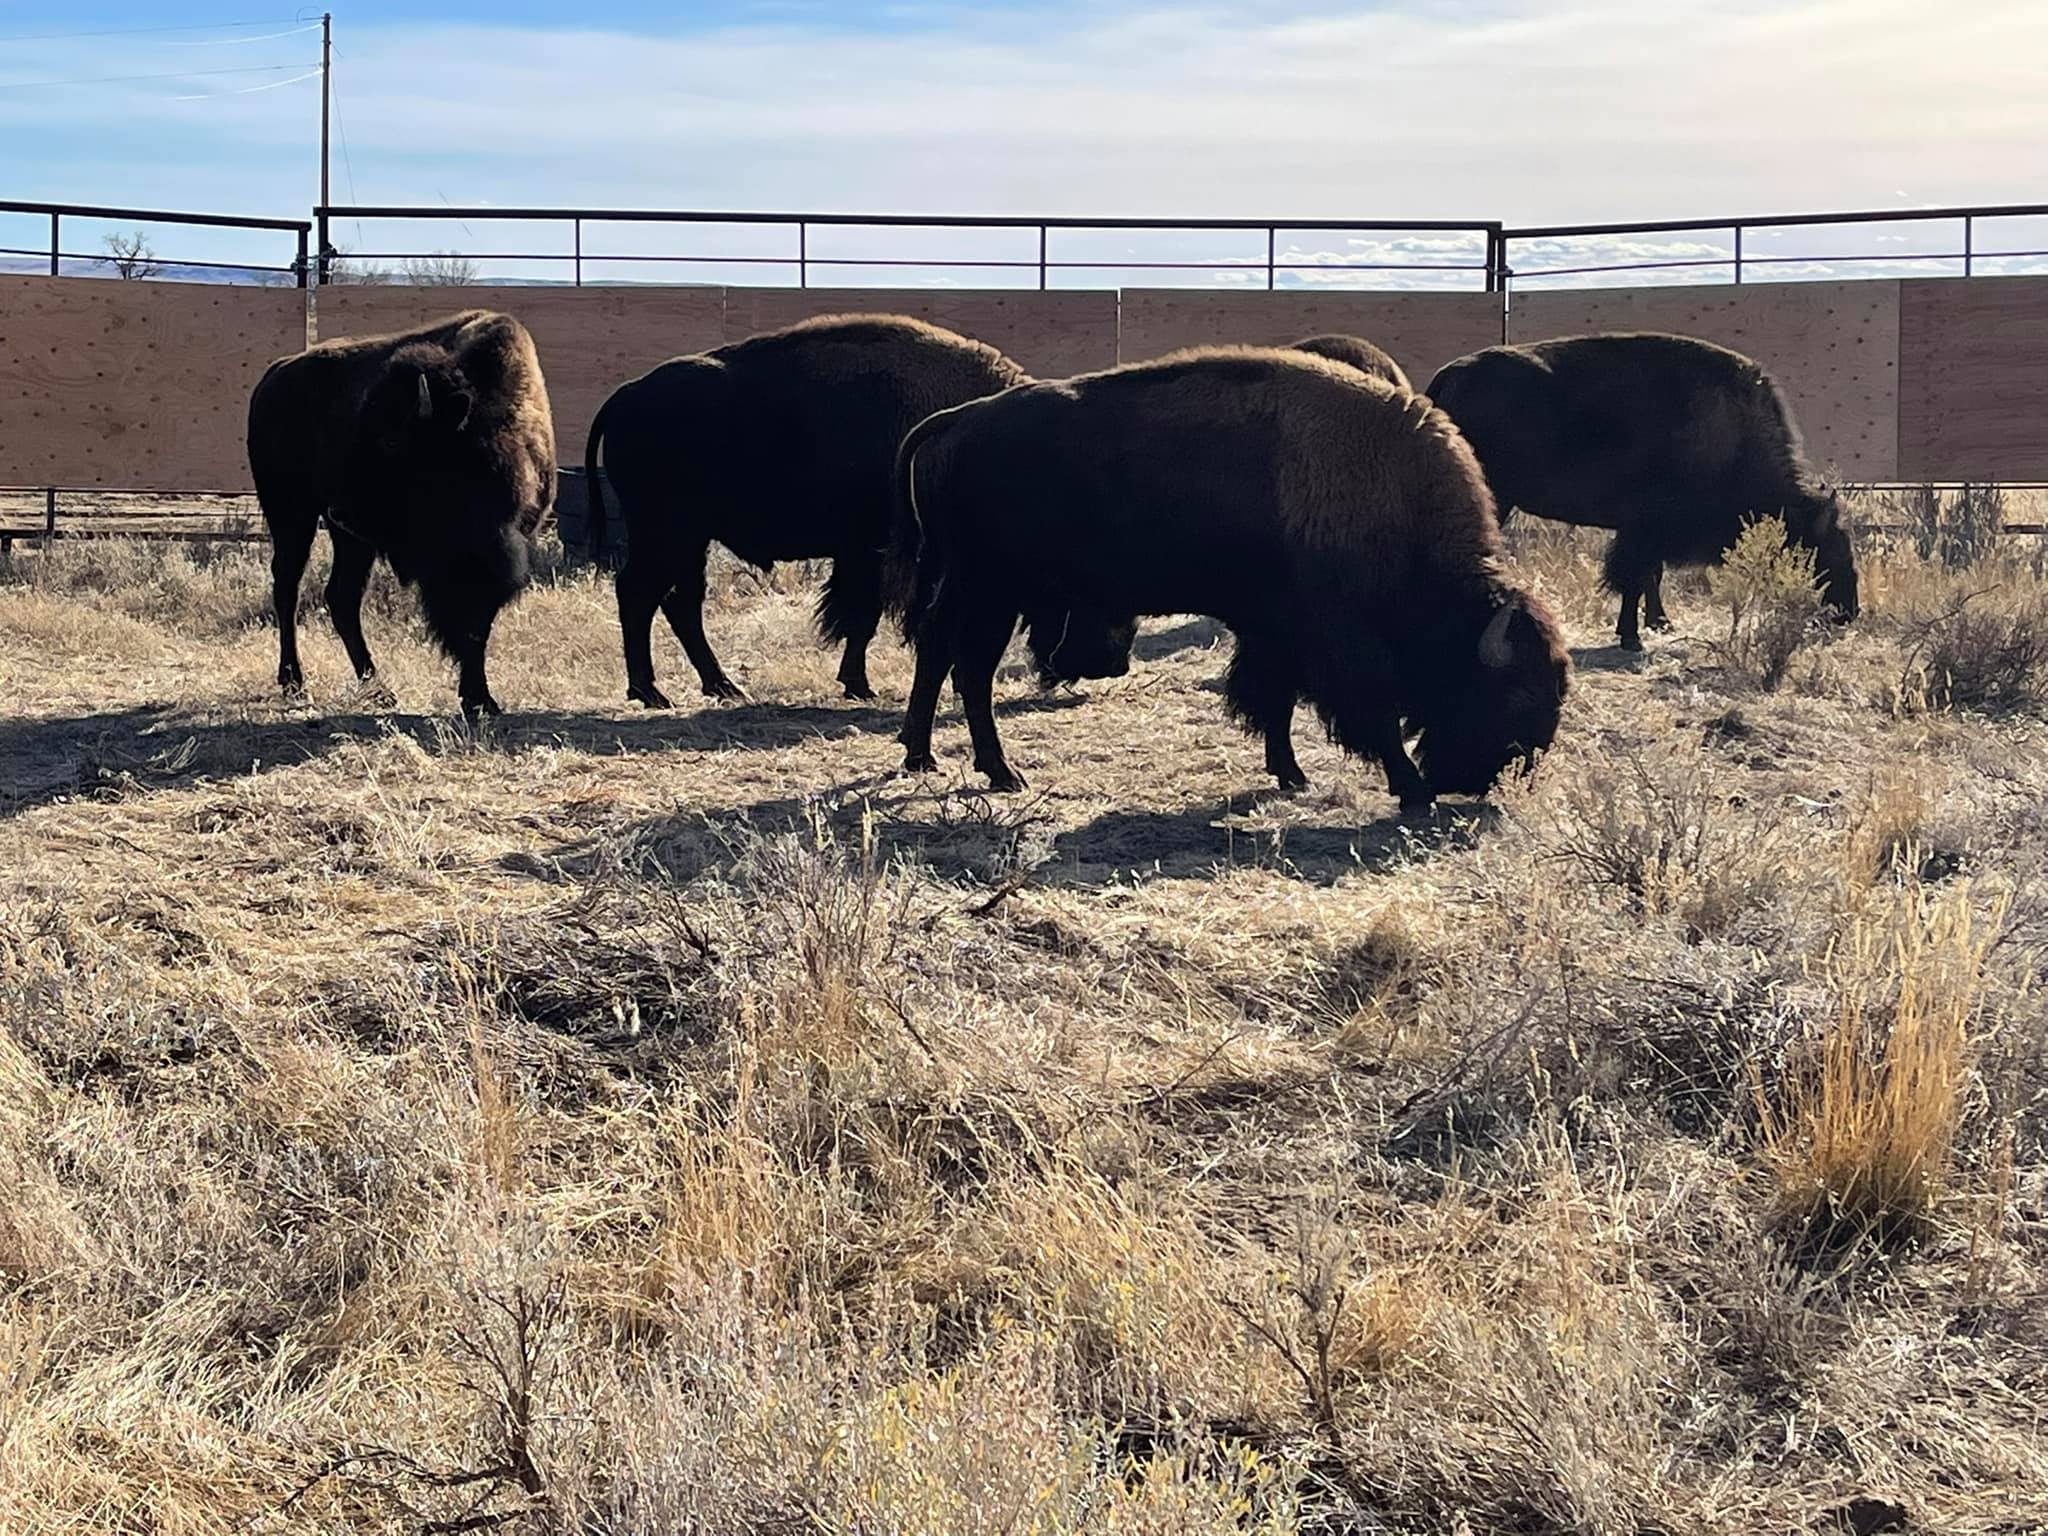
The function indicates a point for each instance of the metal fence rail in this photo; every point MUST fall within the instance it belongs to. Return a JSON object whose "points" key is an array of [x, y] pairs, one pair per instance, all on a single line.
{"points": [[1485, 271], [57, 213], [1968, 256]]}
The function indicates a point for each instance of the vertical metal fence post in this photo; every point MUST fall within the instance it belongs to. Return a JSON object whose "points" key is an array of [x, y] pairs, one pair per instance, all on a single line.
{"points": [[299, 262], [1969, 243], [1041, 258], [803, 254], [323, 260], [1271, 240], [1738, 253], [49, 517], [579, 253], [54, 247]]}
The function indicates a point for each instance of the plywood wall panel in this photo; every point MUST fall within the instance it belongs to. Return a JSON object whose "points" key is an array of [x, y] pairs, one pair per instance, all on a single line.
{"points": [[1973, 378], [1833, 347], [590, 340], [1423, 331], [1050, 334], [137, 386]]}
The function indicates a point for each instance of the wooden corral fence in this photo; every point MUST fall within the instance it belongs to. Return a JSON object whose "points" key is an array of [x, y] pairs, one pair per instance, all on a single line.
{"points": [[144, 386]]}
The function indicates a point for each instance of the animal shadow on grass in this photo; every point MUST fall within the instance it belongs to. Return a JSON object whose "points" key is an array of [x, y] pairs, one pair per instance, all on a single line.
{"points": [[118, 753], [1190, 634], [1608, 658], [1003, 840]]}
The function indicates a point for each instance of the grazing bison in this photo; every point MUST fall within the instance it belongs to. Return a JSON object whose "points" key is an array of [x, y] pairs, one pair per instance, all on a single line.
{"points": [[433, 448], [1673, 443], [1356, 352], [780, 447], [1340, 528]]}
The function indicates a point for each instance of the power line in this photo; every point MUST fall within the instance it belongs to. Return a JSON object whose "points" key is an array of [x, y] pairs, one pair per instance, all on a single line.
{"points": [[236, 42], [176, 74], [249, 90], [195, 26]]}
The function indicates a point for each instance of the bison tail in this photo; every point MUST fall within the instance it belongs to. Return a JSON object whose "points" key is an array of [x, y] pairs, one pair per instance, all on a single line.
{"points": [[593, 486], [910, 566]]}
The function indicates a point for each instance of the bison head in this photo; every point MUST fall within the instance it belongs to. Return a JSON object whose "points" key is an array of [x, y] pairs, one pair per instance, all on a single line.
{"points": [[1080, 643], [421, 396], [1827, 535], [1505, 709]]}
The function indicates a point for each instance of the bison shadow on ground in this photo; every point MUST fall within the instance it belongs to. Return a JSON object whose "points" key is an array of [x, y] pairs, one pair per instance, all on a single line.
{"points": [[1005, 841], [119, 753]]}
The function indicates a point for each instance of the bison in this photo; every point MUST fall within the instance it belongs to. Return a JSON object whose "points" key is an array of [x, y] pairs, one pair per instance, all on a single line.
{"points": [[780, 448], [1340, 528], [433, 448], [1675, 444], [1356, 352]]}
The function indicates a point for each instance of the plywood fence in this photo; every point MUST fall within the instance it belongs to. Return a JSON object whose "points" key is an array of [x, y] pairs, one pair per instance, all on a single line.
{"points": [[144, 386]]}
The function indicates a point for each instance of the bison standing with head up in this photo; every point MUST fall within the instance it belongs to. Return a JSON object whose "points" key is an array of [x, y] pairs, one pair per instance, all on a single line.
{"points": [[433, 448], [780, 448], [1339, 527], [1676, 444]]}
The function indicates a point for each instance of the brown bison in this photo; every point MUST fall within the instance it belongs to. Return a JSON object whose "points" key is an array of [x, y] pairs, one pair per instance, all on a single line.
{"points": [[780, 447], [1675, 444], [433, 448], [1356, 352], [1339, 527]]}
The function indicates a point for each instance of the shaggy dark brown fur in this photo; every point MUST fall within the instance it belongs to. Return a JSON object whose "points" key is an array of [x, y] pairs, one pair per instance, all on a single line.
{"points": [[1674, 443], [433, 448], [780, 448], [1356, 352], [1339, 527]]}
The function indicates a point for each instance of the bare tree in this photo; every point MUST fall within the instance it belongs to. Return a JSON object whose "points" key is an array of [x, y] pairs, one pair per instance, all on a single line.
{"points": [[130, 254], [443, 269], [343, 269]]}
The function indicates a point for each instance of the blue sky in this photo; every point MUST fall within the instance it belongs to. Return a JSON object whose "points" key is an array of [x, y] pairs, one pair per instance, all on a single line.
{"points": [[1515, 109]]}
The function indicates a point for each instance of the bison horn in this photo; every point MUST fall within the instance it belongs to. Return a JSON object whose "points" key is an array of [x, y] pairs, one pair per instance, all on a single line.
{"points": [[426, 400], [1493, 644]]}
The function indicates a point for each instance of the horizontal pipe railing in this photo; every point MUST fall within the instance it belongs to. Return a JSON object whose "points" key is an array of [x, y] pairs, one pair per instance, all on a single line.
{"points": [[153, 216]]}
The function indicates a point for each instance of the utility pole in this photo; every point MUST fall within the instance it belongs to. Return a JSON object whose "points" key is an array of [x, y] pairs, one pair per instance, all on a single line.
{"points": [[326, 111]]}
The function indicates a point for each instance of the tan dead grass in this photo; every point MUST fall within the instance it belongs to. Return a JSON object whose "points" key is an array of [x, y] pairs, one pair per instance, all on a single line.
{"points": [[610, 1121]]}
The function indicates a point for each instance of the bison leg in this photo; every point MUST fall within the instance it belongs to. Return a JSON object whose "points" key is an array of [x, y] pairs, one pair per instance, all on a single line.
{"points": [[982, 642], [1404, 779], [1654, 616], [461, 620], [291, 542], [849, 609], [934, 659], [683, 607], [1630, 571], [1262, 691], [345, 584], [640, 590]]}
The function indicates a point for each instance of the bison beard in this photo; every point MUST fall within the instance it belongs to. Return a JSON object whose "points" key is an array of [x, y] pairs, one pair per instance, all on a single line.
{"points": [[1674, 443], [1337, 526], [780, 448], [433, 449]]}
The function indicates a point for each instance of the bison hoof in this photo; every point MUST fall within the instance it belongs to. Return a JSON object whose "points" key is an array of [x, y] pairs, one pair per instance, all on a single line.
{"points": [[1631, 642], [483, 708], [1659, 622], [1005, 781], [1290, 779], [723, 688], [1418, 810], [859, 689], [649, 695], [919, 762]]}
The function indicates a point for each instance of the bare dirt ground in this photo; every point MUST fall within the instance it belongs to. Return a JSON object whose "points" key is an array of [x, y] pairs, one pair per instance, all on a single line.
{"points": [[627, 1122]]}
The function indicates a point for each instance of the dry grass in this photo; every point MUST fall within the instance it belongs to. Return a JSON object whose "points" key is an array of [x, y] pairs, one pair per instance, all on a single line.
{"points": [[633, 1123]]}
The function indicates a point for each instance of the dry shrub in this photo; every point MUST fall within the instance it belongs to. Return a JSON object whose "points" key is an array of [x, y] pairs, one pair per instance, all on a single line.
{"points": [[1663, 831], [1981, 660], [1888, 832], [1767, 586], [1861, 1141]]}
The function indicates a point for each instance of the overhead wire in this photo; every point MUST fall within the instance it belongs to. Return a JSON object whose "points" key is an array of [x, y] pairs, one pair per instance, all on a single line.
{"points": [[190, 26], [250, 90], [175, 74]]}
